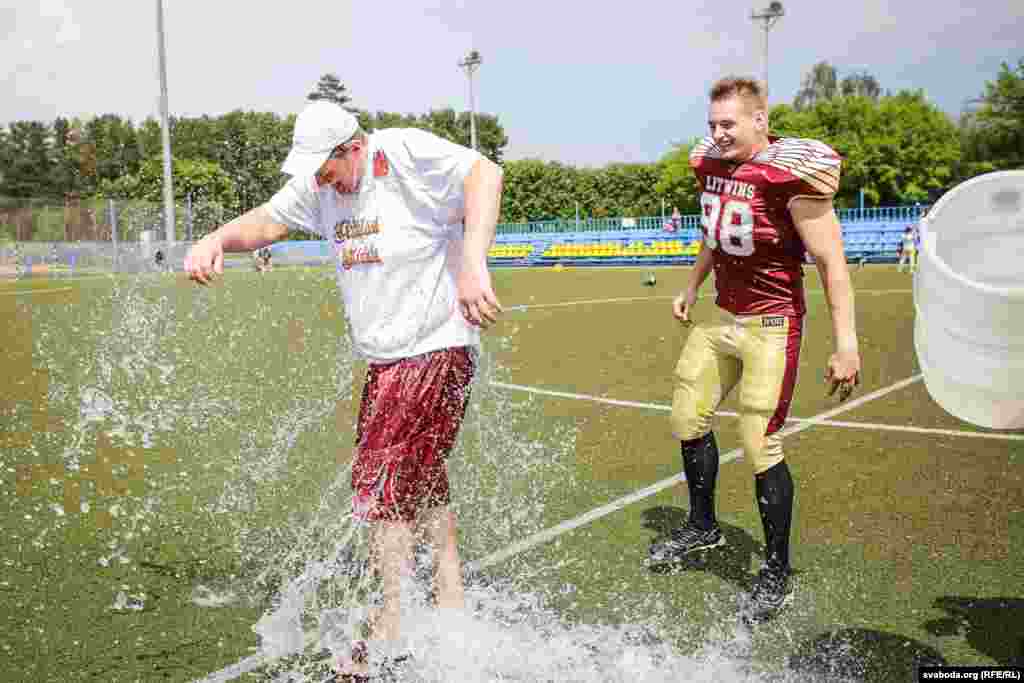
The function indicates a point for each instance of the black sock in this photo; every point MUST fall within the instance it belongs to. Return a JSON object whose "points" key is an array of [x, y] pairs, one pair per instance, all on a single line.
{"points": [[774, 491], [700, 464]]}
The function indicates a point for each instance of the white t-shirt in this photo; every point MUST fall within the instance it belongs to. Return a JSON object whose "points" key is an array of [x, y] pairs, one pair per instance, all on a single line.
{"points": [[396, 243]]}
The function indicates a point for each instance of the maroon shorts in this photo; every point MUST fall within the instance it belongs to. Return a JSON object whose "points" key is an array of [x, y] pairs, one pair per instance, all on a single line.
{"points": [[409, 417]]}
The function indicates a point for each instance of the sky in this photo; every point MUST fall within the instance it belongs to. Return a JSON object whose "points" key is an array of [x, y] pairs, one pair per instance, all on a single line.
{"points": [[582, 83]]}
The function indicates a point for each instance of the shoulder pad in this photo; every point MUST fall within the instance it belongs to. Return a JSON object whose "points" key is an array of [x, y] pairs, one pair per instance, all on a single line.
{"points": [[814, 163], [705, 149]]}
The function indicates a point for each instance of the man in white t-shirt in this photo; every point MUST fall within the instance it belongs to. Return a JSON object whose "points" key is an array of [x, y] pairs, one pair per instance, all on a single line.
{"points": [[410, 218]]}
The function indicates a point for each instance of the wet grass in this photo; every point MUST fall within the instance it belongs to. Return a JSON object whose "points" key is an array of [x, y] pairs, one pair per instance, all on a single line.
{"points": [[203, 427]]}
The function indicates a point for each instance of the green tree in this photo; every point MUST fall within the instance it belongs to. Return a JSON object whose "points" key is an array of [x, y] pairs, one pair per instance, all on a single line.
{"points": [[861, 84], [203, 181], [248, 146], [331, 89], [371, 121], [29, 165], [114, 146], [818, 85], [445, 123], [194, 138], [534, 190], [676, 180], [66, 176], [6, 155], [490, 136], [148, 135], [900, 149], [993, 137], [631, 189]]}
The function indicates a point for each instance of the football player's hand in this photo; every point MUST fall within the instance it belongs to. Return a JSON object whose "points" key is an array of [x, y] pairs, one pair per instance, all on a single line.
{"points": [[843, 373], [682, 304], [477, 300], [205, 259]]}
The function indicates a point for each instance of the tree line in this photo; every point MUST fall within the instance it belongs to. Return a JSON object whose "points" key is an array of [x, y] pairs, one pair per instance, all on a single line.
{"points": [[898, 148]]}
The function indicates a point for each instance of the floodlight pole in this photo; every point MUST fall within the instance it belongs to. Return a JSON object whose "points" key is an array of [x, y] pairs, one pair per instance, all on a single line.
{"points": [[471, 63], [769, 16], [165, 126]]}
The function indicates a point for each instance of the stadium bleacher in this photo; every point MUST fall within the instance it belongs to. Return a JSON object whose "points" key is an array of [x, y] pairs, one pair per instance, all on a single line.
{"points": [[872, 241], [870, 235]]}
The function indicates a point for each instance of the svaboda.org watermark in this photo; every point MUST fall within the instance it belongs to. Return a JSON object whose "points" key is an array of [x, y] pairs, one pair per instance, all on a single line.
{"points": [[970, 673]]}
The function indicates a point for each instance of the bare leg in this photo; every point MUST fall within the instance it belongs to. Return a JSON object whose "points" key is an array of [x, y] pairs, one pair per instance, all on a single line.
{"points": [[439, 526], [393, 543], [391, 554]]}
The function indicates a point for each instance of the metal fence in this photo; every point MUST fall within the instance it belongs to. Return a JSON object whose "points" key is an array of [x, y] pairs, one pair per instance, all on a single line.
{"points": [[103, 220], [881, 214], [114, 220]]}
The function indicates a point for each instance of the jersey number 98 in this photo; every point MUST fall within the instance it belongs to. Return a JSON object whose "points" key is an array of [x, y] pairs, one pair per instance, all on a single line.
{"points": [[730, 224]]}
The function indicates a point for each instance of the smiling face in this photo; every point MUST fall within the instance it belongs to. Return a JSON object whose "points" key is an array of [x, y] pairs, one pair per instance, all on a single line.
{"points": [[345, 168], [738, 126]]}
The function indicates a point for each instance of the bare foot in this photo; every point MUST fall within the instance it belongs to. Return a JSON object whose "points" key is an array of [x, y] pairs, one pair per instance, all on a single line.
{"points": [[355, 669]]}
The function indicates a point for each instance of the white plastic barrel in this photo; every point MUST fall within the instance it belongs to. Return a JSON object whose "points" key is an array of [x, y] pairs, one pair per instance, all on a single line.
{"points": [[969, 301]]}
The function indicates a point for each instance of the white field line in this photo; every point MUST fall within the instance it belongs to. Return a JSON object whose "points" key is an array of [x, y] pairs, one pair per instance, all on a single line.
{"points": [[253, 662], [998, 436], [524, 307], [725, 413], [735, 454], [38, 290], [562, 304]]}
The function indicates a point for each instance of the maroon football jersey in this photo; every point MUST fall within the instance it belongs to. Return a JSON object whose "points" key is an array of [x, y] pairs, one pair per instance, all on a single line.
{"points": [[757, 252]]}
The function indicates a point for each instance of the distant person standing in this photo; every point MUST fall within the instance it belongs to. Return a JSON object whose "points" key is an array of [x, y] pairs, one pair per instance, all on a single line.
{"points": [[262, 258], [908, 249]]}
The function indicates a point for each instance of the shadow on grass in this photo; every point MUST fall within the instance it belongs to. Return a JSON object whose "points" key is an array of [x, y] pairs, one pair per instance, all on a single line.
{"points": [[992, 626], [862, 655], [731, 562]]}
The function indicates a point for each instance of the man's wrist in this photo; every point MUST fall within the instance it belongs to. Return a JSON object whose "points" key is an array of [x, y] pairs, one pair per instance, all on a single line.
{"points": [[474, 265], [847, 347]]}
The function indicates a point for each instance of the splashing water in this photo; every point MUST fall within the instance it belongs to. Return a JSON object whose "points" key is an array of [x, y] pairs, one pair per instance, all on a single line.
{"points": [[507, 632], [144, 383]]}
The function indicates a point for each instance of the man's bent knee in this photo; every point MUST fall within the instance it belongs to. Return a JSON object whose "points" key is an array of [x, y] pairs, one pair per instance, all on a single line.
{"points": [[763, 451], [689, 423]]}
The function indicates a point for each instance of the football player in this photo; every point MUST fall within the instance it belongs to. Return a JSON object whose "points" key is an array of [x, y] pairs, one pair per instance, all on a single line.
{"points": [[766, 202]]}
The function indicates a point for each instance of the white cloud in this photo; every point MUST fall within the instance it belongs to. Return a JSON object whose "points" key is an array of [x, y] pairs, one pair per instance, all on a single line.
{"points": [[581, 82]]}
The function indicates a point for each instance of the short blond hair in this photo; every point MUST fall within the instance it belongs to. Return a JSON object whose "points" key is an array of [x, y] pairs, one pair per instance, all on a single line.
{"points": [[749, 89]]}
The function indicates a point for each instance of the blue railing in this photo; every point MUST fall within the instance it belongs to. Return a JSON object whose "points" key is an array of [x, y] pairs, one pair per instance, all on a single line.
{"points": [[882, 214], [878, 214]]}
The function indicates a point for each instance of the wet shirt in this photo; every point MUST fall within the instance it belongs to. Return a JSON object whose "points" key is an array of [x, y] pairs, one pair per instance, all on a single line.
{"points": [[757, 252], [396, 242]]}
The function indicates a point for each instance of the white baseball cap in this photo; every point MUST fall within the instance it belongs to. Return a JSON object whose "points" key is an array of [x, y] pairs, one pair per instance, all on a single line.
{"points": [[319, 128]]}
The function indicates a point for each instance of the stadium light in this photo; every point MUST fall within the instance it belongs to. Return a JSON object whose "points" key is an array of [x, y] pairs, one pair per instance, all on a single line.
{"points": [[165, 126], [769, 16], [471, 63]]}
